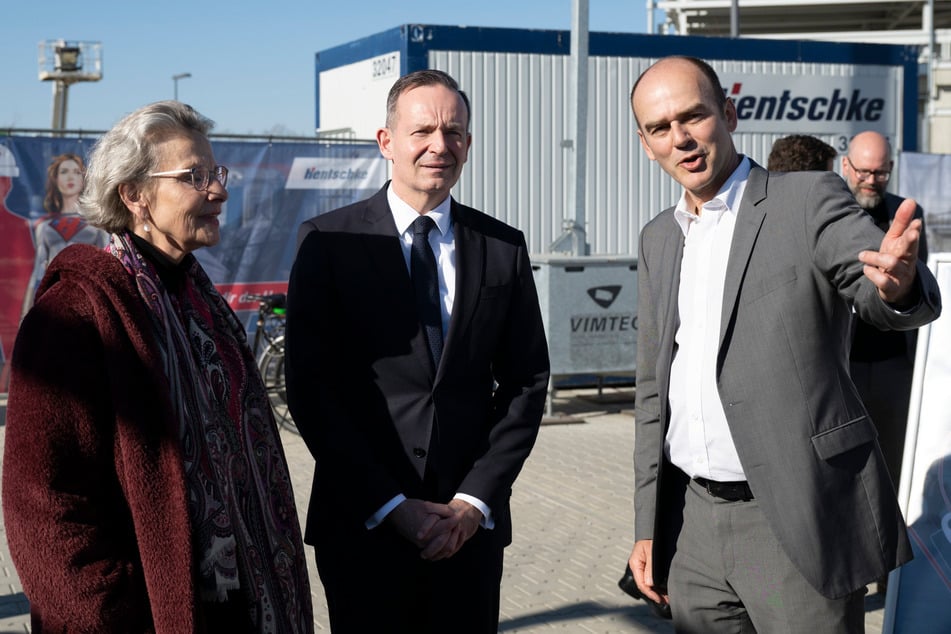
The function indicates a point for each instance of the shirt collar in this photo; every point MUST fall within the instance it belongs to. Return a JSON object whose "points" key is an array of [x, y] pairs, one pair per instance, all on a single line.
{"points": [[404, 215], [727, 199]]}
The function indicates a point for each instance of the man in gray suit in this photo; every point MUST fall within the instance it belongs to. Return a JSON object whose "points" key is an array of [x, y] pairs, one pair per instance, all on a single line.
{"points": [[762, 501]]}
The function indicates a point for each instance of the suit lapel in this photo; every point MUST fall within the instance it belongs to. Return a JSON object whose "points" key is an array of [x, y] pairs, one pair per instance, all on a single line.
{"points": [[392, 279], [749, 220], [674, 250], [378, 221], [470, 259]]}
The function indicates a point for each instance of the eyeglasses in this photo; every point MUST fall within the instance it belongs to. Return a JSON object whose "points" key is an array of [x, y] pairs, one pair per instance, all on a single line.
{"points": [[201, 176], [880, 175]]}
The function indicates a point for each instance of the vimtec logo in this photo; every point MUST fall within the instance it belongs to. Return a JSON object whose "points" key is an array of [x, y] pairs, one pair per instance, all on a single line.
{"points": [[604, 296]]}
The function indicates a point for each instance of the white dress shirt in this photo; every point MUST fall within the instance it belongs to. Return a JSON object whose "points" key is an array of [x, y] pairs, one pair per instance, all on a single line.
{"points": [[698, 439], [442, 242]]}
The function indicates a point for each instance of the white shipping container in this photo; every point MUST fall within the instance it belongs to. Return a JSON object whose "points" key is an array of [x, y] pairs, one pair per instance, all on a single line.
{"points": [[518, 84]]}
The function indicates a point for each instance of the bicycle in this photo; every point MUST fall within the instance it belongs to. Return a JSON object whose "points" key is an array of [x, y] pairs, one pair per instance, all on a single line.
{"points": [[268, 349]]}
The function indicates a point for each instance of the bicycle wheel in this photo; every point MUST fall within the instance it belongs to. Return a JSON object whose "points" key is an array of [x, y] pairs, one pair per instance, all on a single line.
{"points": [[271, 366]]}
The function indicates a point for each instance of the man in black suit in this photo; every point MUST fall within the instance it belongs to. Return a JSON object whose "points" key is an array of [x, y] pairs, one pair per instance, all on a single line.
{"points": [[417, 370], [882, 362]]}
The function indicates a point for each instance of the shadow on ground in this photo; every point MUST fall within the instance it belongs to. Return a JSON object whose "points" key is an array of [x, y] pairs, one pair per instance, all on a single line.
{"points": [[636, 613]]}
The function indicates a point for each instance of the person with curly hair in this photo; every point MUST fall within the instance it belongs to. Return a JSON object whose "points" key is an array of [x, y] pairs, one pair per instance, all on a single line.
{"points": [[801, 153]]}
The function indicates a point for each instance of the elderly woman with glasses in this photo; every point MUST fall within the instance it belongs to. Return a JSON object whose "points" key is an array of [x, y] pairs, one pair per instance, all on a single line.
{"points": [[145, 488]]}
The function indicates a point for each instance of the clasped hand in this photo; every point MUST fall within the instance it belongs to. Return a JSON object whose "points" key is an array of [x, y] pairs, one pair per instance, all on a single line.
{"points": [[439, 530], [892, 267]]}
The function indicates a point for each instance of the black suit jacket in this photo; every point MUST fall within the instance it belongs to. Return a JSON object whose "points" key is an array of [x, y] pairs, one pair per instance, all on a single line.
{"points": [[377, 418], [868, 342]]}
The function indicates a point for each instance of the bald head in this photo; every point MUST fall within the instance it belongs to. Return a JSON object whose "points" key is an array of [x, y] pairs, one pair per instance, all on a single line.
{"points": [[870, 145], [706, 73], [867, 167], [685, 123]]}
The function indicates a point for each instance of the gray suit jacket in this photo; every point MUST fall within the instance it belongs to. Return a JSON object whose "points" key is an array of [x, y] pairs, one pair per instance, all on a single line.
{"points": [[806, 444]]}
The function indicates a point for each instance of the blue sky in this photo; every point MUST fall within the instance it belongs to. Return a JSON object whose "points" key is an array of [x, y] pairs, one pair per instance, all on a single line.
{"points": [[252, 62]]}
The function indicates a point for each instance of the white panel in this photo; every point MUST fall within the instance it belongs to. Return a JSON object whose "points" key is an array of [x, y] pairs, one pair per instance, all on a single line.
{"points": [[885, 81], [354, 96]]}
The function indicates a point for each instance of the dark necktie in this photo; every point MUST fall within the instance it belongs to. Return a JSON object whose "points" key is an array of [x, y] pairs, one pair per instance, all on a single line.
{"points": [[426, 282]]}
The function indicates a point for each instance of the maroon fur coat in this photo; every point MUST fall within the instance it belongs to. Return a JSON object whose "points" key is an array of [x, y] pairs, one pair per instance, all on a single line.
{"points": [[93, 482]]}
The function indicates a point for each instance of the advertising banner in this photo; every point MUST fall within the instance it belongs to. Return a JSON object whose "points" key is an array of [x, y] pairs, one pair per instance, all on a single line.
{"points": [[766, 102], [919, 593], [272, 187]]}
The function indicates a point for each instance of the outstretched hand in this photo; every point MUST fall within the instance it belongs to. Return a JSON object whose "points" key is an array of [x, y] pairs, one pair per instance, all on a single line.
{"points": [[892, 268]]}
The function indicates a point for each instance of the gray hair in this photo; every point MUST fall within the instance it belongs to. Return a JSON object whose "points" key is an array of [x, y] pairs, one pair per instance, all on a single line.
{"points": [[126, 154]]}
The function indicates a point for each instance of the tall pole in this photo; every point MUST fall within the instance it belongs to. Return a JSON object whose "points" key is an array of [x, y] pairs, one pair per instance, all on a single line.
{"points": [[931, 93], [579, 119], [735, 19], [66, 63], [175, 79], [60, 103]]}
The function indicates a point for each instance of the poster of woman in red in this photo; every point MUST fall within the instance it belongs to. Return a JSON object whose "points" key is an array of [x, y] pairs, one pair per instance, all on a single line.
{"points": [[271, 190], [16, 262], [61, 225]]}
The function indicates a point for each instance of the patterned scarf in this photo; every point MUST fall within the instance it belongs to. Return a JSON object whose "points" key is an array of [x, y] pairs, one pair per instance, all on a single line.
{"points": [[245, 527]]}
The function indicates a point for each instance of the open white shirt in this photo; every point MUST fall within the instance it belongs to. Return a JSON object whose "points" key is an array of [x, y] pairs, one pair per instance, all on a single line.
{"points": [[442, 242], [698, 439]]}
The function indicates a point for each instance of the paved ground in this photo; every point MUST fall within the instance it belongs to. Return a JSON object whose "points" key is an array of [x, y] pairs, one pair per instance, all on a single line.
{"points": [[572, 515]]}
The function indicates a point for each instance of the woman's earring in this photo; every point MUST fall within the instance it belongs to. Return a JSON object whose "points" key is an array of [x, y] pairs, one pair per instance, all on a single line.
{"points": [[146, 227]]}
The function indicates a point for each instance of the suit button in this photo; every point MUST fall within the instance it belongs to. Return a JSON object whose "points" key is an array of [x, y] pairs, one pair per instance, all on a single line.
{"points": [[419, 452]]}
